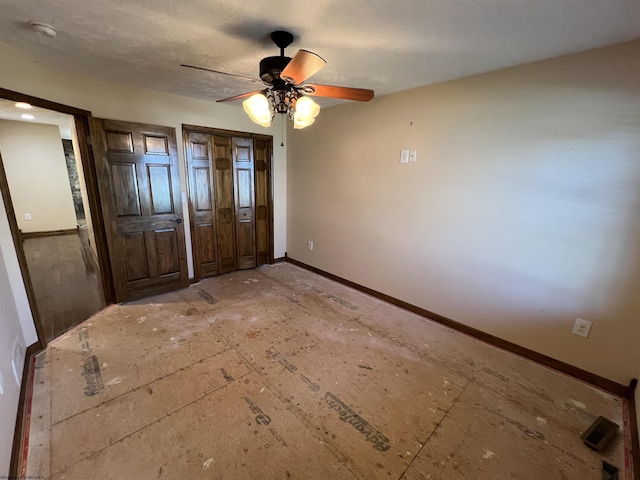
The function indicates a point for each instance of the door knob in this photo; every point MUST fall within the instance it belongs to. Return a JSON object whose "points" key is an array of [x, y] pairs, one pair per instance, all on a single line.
{"points": [[178, 220]]}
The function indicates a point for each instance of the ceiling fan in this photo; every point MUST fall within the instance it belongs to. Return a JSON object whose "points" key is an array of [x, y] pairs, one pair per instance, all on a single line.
{"points": [[285, 92]]}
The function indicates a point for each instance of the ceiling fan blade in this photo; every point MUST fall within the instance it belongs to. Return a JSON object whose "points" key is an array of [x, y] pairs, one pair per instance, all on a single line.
{"points": [[302, 66], [344, 93], [221, 73], [239, 97]]}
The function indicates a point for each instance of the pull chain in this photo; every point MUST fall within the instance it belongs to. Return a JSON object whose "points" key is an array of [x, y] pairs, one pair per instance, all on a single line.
{"points": [[282, 137]]}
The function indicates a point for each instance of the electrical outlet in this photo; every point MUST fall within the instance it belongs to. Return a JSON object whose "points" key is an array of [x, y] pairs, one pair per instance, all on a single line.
{"points": [[310, 244], [413, 155], [27, 216], [582, 327]]}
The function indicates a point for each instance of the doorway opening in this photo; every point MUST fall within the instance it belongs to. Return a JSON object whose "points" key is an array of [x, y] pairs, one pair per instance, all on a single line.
{"points": [[45, 183]]}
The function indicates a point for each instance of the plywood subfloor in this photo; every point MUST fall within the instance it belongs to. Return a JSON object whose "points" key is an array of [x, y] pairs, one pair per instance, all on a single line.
{"points": [[277, 373]]}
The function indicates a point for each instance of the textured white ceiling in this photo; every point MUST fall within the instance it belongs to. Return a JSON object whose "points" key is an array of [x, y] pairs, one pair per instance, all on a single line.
{"points": [[386, 45]]}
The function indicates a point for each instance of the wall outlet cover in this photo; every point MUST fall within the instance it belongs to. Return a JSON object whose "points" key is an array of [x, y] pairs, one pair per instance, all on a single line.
{"points": [[582, 327]]}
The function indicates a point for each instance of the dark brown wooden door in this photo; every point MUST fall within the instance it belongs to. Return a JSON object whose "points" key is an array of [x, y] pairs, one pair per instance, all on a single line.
{"points": [[139, 186], [244, 192], [261, 153], [225, 209], [203, 217]]}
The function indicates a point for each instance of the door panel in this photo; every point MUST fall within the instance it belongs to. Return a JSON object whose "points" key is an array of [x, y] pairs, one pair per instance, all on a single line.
{"points": [[244, 184], [135, 256], [140, 189], [125, 186], [263, 221], [156, 145], [206, 238], [244, 202], [166, 250], [160, 188], [202, 190], [119, 142], [201, 194], [223, 178]]}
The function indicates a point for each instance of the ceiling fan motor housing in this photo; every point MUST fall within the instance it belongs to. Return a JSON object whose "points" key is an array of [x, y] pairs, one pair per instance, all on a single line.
{"points": [[271, 67]]}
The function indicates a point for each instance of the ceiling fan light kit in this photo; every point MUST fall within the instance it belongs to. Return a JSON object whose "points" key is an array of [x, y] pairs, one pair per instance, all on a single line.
{"points": [[263, 106], [306, 112], [258, 108], [286, 92]]}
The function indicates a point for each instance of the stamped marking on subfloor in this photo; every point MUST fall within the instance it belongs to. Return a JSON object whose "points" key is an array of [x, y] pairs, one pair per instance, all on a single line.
{"points": [[83, 334], [273, 353], [580, 413], [371, 434], [261, 417], [540, 395], [92, 376], [495, 374], [529, 432], [314, 387], [342, 302], [569, 454], [207, 297], [226, 376], [264, 419]]}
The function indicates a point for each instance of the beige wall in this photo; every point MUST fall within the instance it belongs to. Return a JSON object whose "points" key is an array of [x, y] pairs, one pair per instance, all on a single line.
{"points": [[36, 170], [519, 216]]}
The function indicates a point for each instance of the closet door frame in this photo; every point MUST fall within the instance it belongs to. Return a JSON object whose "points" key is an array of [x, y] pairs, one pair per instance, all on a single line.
{"points": [[186, 129]]}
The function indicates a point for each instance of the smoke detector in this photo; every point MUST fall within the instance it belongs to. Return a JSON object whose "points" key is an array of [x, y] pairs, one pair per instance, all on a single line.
{"points": [[43, 28]]}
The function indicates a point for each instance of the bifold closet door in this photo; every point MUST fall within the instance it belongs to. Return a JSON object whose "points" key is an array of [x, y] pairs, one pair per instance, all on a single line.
{"points": [[203, 217], [244, 191], [229, 189], [261, 154], [225, 205]]}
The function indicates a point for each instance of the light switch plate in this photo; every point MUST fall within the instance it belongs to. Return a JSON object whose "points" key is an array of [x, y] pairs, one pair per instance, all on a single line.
{"points": [[404, 156]]}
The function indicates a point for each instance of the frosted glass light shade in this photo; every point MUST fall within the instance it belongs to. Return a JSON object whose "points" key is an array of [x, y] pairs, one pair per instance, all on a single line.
{"points": [[258, 108], [306, 112]]}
